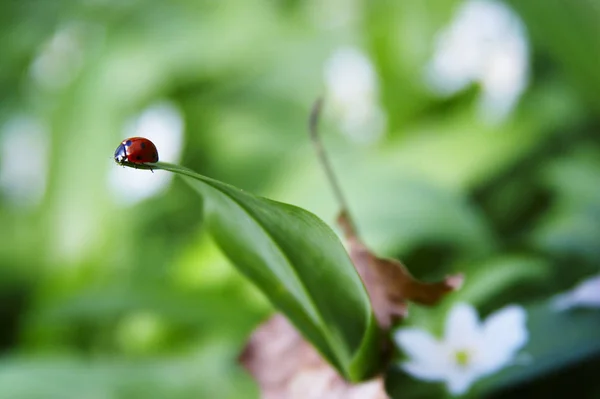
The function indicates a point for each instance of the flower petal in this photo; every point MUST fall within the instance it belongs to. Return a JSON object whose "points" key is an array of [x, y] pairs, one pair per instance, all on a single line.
{"points": [[504, 332], [462, 326], [458, 383], [585, 294], [564, 301], [425, 371], [418, 344]]}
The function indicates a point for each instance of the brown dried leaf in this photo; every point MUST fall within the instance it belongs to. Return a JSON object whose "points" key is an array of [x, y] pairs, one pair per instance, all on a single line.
{"points": [[389, 283], [287, 367]]}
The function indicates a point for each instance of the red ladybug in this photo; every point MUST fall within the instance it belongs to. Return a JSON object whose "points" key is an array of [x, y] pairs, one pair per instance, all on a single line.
{"points": [[136, 150]]}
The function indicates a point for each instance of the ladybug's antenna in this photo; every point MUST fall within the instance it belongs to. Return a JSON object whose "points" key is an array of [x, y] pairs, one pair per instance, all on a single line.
{"points": [[315, 116]]}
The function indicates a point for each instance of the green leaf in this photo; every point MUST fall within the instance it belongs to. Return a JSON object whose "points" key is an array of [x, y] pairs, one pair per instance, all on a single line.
{"points": [[300, 265]]}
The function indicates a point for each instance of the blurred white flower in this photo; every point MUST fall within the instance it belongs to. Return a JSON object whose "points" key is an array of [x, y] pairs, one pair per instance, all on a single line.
{"points": [[162, 124], [485, 43], [585, 294], [352, 91], [24, 160], [470, 349], [61, 58]]}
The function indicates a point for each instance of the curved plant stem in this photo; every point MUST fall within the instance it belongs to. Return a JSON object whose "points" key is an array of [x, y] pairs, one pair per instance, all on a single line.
{"points": [[326, 164]]}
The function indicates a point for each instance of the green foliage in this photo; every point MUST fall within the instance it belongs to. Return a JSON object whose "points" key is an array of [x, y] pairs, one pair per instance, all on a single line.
{"points": [[570, 34], [200, 373], [122, 300], [291, 255]]}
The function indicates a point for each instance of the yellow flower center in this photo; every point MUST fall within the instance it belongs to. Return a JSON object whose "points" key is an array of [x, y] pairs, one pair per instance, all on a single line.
{"points": [[462, 357]]}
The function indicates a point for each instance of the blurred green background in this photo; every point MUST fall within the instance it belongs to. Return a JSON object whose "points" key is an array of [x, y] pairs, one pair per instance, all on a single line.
{"points": [[464, 133]]}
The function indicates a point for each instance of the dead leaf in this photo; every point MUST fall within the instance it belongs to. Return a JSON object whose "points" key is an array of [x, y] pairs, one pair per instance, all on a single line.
{"points": [[287, 367], [389, 283]]}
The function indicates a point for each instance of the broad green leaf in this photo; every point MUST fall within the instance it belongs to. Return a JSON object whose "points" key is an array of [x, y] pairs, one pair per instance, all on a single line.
{"points": [[300, 265]]}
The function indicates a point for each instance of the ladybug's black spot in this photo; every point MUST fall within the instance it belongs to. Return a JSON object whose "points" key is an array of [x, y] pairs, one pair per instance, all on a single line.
{"points": [[155, 157], [143, 145], [139, 158], [128, 143]]}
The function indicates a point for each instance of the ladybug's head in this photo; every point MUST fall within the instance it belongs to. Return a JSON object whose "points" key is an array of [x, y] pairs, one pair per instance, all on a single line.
{"points": [[121, 154]]}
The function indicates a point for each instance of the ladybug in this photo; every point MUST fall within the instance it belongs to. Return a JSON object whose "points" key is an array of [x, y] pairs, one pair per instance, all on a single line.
{"points": [[135, 151]]}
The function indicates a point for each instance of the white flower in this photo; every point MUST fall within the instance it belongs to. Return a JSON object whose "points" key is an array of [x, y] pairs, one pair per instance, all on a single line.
{"points": [[586, 294], [469, 350], [23, 178], [62, 57], [352, 90], [485, 43]]}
